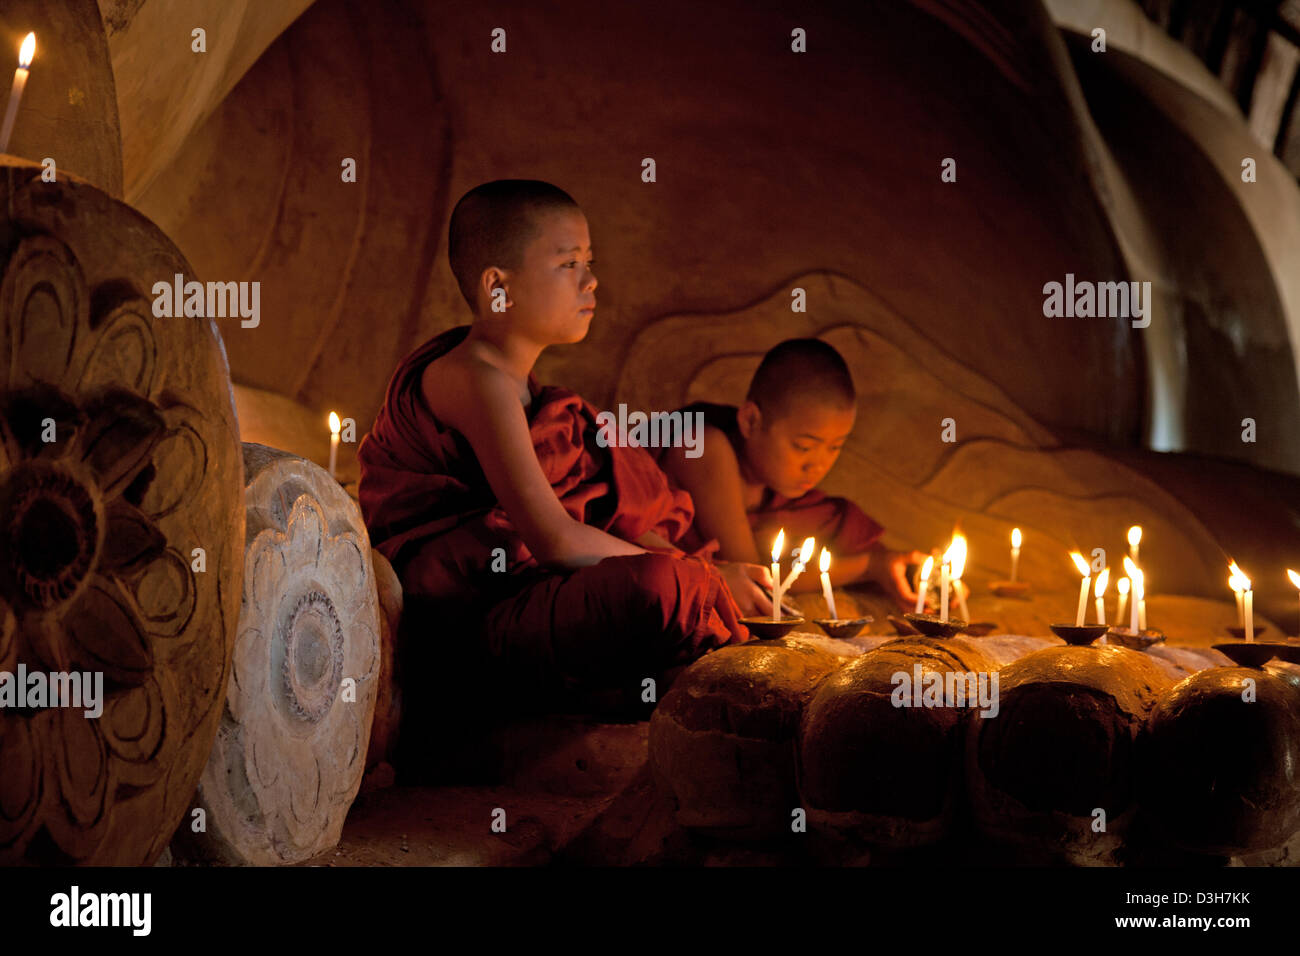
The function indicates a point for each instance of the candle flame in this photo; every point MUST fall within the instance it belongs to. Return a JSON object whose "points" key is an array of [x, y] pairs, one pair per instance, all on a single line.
{"points": [[335, 425], [1130, 567], [1234, 582], [806, 550], [27, 52], [956, 556], [1134, 535], [929, 566], [1102, 580], [1122, 585], [1295, 578], [778, 546], [1079, 563], [1015, 537], [825, 561]]}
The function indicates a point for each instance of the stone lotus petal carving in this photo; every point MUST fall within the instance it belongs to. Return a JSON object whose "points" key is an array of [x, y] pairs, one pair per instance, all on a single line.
{"points": [[103, 415], [290, 754]]}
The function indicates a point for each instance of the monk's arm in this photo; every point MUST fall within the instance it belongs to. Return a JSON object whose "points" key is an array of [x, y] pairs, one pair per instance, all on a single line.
{"points": [[714, 483], [490, 415]]}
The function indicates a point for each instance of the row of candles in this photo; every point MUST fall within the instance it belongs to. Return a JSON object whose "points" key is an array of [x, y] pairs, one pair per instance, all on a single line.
{"points": [[953, 565]]}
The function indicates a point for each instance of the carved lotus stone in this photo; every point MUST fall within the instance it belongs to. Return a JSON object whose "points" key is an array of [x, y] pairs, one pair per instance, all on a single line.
{"points": [[118, 459], [290, 753]]}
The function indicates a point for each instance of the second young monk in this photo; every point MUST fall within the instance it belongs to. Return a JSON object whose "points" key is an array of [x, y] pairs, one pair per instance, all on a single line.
{"points": [[761, 464], [490, 495]]}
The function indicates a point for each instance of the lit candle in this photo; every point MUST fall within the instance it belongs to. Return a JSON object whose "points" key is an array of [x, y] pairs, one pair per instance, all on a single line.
{"points": [[958, 562], [800, 562], [924, 586], [1249, 602], [1135, 573], [1099, 592], [943, 590], [826, 583], [1295, 578], [1015, 551], [25, 55], [1082, 565], [1134, 537], [335, 427], [1122, 585], [1141, 598], [1234, 582], [778, 546]]}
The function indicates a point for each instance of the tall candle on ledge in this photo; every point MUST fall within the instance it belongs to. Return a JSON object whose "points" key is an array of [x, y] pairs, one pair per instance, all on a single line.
{"points": [[1082, 565], [1134, 539], [335, 427], [1248, 600], [25, 55], [1122, 586], [1099, 592], [1015, 552], [1295, 578], [778, 546], [924, 585], [1235, 580], [958, 562], [826, 584]]}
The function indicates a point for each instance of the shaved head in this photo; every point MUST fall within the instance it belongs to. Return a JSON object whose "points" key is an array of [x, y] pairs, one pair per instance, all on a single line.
{"points": [[801, 369], [493, 224]]}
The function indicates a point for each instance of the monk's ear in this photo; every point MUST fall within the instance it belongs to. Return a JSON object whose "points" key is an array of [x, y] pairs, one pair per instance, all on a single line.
{"points": [[749, 418]]}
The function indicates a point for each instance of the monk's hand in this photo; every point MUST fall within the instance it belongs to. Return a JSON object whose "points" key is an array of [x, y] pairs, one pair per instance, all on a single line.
{"points": [[895, 576], [746, 582]]}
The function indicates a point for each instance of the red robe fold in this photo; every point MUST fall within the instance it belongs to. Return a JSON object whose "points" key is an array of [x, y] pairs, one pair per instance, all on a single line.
{"points": [[431, 512]]}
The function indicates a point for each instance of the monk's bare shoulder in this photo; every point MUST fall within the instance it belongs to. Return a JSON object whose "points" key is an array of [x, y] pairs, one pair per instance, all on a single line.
{"points": [[459, 388], [715, 452]]}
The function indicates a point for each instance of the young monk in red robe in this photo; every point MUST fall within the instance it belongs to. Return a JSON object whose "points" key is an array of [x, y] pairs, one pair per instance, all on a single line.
{"points": [[761, 464], [492, 498]]}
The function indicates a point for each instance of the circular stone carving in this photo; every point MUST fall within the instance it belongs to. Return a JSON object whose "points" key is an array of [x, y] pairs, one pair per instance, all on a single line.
{"points": [[291, 750], [95, 578], [1219, 774], [1064, 745], [722, 739]]}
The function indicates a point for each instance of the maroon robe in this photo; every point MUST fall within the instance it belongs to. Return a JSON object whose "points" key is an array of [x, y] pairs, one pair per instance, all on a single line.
{"points": [[431, 512]]}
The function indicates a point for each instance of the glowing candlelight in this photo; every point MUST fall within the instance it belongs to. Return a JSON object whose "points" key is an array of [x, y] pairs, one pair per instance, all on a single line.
{"points": [[1295, 578], [335, 427], [1082, 565], [1099, 592], [1015, 551], [1122, 585], [1249, 601], [924, 586], [1135, 573], [958, 562], [778, 546], [826, 583], [1235, 579], [1134, 538], [800, 562], [25, 55]]}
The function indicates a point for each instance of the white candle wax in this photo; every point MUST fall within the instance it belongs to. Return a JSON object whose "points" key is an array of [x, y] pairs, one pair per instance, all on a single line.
{"points": [[1241, 608], [1119, 611], [1250, 615], [923, 588], [1083, 601], [827, 593], [961, 600], [776, 590], [1142, 612], [11, 112], [1133, 611], [1015, 560], [334, 454], [1101, 610], [943, 592]]}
